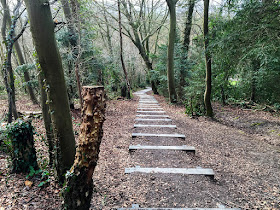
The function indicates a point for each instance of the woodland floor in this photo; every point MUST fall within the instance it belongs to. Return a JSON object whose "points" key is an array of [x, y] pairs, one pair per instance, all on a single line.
{"points": [[241, 146]]}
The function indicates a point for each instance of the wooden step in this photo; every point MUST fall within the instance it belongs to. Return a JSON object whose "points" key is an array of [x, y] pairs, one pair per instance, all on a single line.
{"points": [[146, 98], [181, 148], [154, 126], [143, 104], [148, 101], [149, 105], [220, 207], [151, 115], [150, 111], [140, 119], [172, 135], [187, 171], [149, 108]]}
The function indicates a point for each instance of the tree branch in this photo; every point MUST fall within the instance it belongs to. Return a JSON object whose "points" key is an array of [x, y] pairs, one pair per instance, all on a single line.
{"points": [[21, 32]]}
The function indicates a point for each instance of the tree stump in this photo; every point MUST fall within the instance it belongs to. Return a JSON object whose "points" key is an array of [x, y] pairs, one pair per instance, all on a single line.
{"points": [[23, 153], [78, 190]]}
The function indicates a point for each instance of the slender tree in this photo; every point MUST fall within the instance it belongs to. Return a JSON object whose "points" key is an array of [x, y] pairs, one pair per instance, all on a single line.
{"points": [[143, 23], [73, 44], [185, 48], [207, 94], [171, 42], [121, 53], [7, 67], [47, 117], [19, 54], [188, 26], [42, 28]]}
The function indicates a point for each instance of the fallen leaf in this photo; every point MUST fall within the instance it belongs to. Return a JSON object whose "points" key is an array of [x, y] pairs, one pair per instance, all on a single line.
{"points": [[28, 183]]}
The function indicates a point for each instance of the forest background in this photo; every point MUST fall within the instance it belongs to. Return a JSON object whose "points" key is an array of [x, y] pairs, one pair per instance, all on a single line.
{"points": [[243, 44]]}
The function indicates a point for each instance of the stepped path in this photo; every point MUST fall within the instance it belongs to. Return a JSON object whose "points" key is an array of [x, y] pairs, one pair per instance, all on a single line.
{"points": [[170, 159]]}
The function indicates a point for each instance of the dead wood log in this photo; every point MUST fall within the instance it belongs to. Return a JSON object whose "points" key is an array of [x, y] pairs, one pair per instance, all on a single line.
{"points": [[79, 185]]}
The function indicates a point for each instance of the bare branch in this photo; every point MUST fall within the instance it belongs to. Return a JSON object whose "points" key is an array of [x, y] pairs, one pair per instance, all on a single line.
{"points": [[21, 32]]}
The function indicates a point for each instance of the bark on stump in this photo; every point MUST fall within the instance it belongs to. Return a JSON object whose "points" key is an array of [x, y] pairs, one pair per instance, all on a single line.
{"points": [[23, 153], [78, 190]]}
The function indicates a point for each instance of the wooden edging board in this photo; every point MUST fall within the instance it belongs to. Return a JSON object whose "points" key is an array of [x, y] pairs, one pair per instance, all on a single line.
{"points": [[147, 147], [187, 171], [151, 115], [220, 207], [173, 135], [140, 119], [150, 111], [154, 126]]}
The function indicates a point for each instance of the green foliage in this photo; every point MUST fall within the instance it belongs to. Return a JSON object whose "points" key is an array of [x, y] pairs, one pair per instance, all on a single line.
{"points": [[33, 172], [238, 44], [22, 153], [31, 68], [194, 102], [43, 175]]}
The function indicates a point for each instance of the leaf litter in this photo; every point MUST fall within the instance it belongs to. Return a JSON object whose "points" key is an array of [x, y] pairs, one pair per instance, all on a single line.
{"points": [[245, 158]]}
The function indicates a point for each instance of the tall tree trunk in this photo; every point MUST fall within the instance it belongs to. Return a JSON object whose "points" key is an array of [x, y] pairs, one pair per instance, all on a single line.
{"points": [[78, 190], [207, 94], [121, 52], [188, 27], [185, 48], [42, 28], [171, 42]]}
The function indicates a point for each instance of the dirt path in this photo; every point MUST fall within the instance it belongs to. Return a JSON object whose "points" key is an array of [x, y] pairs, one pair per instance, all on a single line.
{"points": [[242, 147], [246, 163]]}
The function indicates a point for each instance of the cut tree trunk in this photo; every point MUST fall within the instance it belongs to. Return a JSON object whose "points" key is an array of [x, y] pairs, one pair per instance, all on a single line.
{"points": [[79, 185]]}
